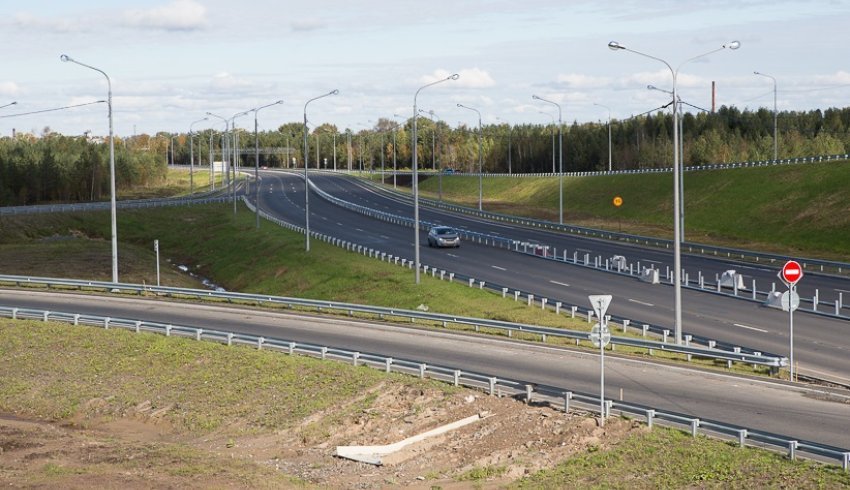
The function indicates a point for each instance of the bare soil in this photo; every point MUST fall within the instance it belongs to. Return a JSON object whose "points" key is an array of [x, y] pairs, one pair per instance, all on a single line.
{"points": [[141, 450]]}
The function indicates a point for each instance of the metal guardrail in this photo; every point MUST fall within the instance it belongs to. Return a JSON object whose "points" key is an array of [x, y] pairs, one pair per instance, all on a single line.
{"points": [[493, 385], [808, 264], [100, 206], [509, 329]]}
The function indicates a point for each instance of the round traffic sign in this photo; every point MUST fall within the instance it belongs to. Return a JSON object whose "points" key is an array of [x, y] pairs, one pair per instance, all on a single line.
{"points": [[791, 272], [599, 334], [790, 302], [618, 201]]}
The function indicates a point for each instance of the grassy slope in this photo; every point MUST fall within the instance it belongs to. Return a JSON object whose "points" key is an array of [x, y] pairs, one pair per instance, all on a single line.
{"points": [[799, 209]]}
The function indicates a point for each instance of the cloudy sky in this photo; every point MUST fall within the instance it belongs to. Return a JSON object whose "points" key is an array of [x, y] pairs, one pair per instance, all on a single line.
{"points": [[171, 61]]}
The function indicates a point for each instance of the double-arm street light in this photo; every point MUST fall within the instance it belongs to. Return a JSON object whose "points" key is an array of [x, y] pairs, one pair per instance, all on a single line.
{"points": [[416, 172], [560, 158], [112, 205], [609, 133], [480, 157], [306, 174], [257, 160], [677, 105], [775, 144], [192, 155], [677, 245]]}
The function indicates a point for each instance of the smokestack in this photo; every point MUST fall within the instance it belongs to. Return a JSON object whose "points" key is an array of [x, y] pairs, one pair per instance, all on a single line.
{"points": [[713, 96]]}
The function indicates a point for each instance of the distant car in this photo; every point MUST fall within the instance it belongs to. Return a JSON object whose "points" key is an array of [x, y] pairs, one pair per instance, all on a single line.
{"points": [[443, 236]]}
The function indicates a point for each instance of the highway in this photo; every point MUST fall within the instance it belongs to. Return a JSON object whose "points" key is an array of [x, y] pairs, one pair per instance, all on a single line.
{"points": [[821, 346], [777, 407]]}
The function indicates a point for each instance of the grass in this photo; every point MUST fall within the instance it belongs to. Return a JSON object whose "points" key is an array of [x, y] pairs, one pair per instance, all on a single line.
{"points": [[668, 458], [177, 183], [793, 209]]}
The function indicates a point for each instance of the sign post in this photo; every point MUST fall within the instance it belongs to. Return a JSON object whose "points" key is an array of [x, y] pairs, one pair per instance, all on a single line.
{"points": [[156, 249], [791, 274], [600, 336]]}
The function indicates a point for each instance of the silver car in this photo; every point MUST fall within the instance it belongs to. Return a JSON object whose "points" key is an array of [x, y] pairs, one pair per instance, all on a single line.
{"points": [[443, 236]]}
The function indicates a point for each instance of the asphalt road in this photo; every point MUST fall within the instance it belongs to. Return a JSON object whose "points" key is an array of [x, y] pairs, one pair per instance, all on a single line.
{"points": [[757, 404], [821, 348]]}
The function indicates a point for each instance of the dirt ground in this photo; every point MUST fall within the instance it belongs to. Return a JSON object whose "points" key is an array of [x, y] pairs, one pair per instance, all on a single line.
{"points": [[140, 449]]}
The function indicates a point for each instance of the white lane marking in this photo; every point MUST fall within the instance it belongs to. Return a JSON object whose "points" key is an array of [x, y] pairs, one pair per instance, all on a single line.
{"points": [[560, 283], [644, 303], [384, 237], [750, 328], [361, 231], [498, 268], [453, 255], [650, 261], [340, 224]]}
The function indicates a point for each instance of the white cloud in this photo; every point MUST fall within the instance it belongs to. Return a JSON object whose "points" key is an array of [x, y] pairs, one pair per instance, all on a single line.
{"points": [[225, 81], [309, 24], [838, 78], [577, 80], [9, 88], [25, 20], [179, 15]]}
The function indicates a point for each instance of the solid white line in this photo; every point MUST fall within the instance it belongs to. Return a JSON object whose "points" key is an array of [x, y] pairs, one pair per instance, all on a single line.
{"points": [[498, 268], [560, 283], [750, 328], [641, 302], [453, 255], [340, 224], [361, 231], [650, 261], [385, 237]]}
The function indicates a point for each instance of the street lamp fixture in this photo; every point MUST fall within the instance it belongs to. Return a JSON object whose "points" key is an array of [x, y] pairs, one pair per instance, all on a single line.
{"points": [[480, 157], [560, 158], [257, 160], [677, 236], [775, 141], [454, 76], [306, 174], [112, 206], [7, 105]]}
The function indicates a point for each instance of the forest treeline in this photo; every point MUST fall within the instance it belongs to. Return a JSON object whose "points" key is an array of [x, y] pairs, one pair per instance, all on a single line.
{"points": [[53, 167]]}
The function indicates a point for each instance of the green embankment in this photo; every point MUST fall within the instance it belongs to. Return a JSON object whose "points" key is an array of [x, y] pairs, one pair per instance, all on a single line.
{"points": [[793, 209]]}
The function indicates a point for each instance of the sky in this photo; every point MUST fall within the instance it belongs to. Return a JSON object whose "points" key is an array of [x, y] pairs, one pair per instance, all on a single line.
{"points": [[172, 61]]}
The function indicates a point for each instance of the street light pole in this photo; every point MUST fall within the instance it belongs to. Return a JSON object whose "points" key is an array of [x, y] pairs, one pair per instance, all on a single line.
{"points": [[416, 173], [112, 205], [560, 158], [609, 133], [677, 104], [192, 156], [395, 134], [775, 141], [257, 160], [480, 158], [677, 238], [306, 174], [236, 154]]}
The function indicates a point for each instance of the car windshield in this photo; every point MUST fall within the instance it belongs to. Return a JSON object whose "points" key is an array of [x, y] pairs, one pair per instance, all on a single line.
{"points": [[445, 231]]}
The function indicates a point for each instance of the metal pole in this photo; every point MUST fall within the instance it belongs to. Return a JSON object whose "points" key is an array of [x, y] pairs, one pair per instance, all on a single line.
{"points": [[677, 242], [480, 158], [156, 249], [334, 143], [791, 289], [416, 174], [306, 174], [192, 156], [112, 205], [602, 328]]}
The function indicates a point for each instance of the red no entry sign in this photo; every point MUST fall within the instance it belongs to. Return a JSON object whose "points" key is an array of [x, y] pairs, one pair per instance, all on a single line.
{"points": [[791, 272]]}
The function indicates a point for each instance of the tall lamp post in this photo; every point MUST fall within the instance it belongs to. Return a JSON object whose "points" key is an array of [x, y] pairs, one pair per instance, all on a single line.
{"points": [[609, 133], [677, 104], [677, 244], [560, 158], [306, 174], [395, 166], [192, 155], [224, 153], [257, 160], [236, 154], [775, 144], [480, 157], [112, 205], [416, 172], [7, 105]]}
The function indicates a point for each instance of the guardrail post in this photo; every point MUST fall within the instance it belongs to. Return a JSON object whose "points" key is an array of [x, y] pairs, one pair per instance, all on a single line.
{"points": [[557, 307], [568, 395], [742, 436], [530, 299], [44, 316], [260, 342], [837, 308], [492, 386], [701, 280], [451, 276], [168, 330], [573, 310], [718, 284], [755, 291], [457, 377], [422, 368], [589, 316], [76, 319], [354, 358], [516, 295], [645, 329], [688, 344], [324, 353], [543, 302], [504, 292], [14, 313], [388, 362], [626, 325], [481, 285], [291, 349], [815, 301], [792, 450], [694, 427], [105, 323], [755, 366], [650, 415], [198, 332], [529, 389], [846, 463]]}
